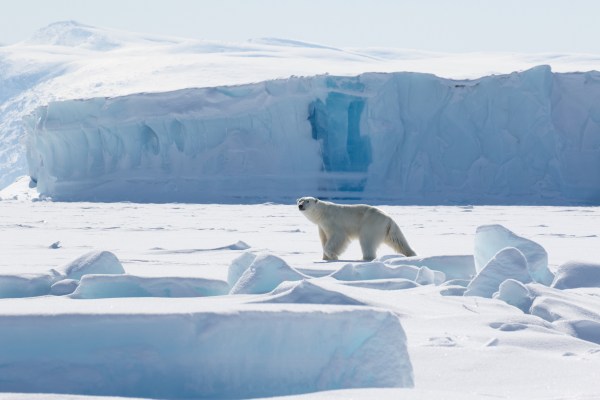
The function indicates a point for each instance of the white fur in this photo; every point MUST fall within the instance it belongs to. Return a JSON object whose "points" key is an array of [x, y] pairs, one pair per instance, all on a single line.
{"points": [[339, 223]]}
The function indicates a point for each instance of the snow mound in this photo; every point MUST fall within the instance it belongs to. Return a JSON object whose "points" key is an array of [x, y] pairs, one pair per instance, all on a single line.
{"points": [[238, 266], [239, 245], [383, 284], [74, 34], [453, 290], [94, 262], [264, 274], [78, 36], [25, 285], [454, 267], [237, 352], [514, 293], [554, 304], [64, 287], [490, 239], [586, 330], [508, 263], [308, 291], [108, 286], [568, 311], [273, 41], [574, 274], [375, 270], [22, 189], [427, 276]]}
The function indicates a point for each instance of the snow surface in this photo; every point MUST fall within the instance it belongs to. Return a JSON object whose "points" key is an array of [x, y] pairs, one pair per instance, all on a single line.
{"points": [[283, 341]]}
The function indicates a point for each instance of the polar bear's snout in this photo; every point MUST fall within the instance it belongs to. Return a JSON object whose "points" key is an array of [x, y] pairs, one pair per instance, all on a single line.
{"points": [[302, 203], [306, 203]]}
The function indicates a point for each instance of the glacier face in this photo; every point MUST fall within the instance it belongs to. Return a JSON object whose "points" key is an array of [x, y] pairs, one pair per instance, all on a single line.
{"points": [[525, 138]]}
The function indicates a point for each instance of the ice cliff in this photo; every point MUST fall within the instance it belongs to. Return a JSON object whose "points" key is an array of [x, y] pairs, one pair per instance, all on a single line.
{"points": [[524, 138]]}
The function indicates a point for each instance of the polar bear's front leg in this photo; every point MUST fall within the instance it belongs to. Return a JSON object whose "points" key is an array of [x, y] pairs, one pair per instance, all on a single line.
{"points": [[370, 240], [323, 237]]}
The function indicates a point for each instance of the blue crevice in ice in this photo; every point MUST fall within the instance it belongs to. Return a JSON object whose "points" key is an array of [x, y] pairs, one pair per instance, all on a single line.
{"points": [[336, 123]]}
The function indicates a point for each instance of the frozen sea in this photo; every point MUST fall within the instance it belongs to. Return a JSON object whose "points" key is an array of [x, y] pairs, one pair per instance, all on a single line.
{"points": [[459, 347]]}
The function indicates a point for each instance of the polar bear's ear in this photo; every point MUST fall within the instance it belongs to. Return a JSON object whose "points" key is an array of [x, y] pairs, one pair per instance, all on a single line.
{"points": [[316, 200]]}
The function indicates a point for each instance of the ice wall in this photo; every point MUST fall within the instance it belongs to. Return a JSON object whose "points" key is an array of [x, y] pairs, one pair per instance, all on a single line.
{"points": [[524, 138]]}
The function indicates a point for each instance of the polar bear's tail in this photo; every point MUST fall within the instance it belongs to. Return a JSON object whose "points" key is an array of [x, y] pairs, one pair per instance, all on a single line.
{"points": [[396, 240]]}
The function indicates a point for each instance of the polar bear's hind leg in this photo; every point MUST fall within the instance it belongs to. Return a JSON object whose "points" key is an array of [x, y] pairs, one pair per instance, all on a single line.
{"points": [[336, 244], [369, 243]]}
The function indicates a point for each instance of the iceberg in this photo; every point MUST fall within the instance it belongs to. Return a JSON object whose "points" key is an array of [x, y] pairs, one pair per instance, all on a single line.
{"points": [[524, 138]]}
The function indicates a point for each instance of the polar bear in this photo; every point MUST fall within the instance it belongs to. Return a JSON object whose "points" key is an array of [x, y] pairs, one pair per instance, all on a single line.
{"points": [[339, 223]]}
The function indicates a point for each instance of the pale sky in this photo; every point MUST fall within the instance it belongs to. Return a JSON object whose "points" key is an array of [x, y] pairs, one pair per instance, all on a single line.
{"points": [[526, 26]]}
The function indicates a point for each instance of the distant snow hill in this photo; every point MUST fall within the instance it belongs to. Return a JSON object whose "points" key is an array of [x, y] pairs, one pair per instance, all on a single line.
{"points": [[172, 119]]}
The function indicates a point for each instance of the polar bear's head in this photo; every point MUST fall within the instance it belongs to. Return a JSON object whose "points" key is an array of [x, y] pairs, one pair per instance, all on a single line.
{"points": [[306, 203]]}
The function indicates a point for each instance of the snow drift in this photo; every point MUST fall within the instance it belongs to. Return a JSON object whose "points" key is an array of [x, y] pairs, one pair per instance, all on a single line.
{"points": [[529, 137]]}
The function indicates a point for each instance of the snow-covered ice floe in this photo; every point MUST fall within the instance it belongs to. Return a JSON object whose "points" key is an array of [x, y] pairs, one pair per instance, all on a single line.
{"points": [[400, 137], [234, 351], [268, 319]]}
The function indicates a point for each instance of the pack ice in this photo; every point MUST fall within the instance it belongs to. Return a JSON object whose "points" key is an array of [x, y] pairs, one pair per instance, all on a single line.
{"points": [[527, 137]]}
